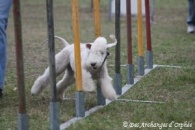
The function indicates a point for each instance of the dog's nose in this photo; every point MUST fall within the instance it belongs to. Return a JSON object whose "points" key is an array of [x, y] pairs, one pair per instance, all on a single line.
{"points": [[93, 64]]}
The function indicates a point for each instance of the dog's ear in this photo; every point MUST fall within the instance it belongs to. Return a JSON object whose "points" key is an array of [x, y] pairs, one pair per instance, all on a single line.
{"points": [[88, 45], [112, 44]]}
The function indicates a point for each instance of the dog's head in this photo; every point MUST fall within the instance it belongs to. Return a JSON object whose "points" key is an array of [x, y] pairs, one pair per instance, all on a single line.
{"points": [[98, 51]]}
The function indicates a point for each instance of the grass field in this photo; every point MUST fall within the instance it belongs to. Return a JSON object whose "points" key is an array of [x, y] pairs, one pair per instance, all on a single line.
{"points": [[171, 46]]}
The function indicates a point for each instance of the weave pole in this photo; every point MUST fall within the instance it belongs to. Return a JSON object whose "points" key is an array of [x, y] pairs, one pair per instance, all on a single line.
{"points": [[80, 110], [130, 66], [118, 76], [22, 115], [140, 39], [149, 56], [152, 10], [96, 9], [54, 104], [109, 10]]}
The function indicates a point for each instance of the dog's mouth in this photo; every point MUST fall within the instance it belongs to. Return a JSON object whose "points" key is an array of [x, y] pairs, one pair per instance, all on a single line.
{"points": [[94, 68]]}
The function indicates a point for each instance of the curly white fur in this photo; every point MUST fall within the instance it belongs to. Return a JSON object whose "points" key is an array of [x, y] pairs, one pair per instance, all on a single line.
{"points": [[93, 68]]}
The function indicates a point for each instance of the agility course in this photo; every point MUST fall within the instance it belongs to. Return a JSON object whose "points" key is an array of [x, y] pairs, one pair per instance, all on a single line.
{"points": [[119, 74], [79, 96]]}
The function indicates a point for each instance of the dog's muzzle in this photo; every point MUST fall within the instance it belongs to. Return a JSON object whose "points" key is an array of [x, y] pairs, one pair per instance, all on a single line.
{"points": [[93, 65]]}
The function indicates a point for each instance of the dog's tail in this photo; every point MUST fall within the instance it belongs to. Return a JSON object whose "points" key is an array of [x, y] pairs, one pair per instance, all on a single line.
{"points": [[113, 43], [63, 40], [112, 37]]}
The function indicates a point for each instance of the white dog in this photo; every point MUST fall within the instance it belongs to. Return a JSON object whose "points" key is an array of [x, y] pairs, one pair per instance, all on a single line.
{"points": [[93, 62]]}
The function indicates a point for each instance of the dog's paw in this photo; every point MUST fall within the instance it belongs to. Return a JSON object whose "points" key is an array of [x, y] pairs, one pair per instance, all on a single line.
{"points": [[34, 91], [61, 97], [112, 97]]}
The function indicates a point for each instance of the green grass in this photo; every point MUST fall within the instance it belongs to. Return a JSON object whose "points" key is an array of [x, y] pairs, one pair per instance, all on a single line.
{"points": [[174, 87], [171, 45]]}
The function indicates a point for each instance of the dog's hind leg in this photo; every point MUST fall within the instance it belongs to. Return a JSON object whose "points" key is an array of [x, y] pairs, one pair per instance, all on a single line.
{"points": [[67, 80], [61, 62]]}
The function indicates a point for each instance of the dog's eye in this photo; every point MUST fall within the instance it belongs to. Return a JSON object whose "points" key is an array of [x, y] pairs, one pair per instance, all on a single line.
{"points": [[102, 53]]}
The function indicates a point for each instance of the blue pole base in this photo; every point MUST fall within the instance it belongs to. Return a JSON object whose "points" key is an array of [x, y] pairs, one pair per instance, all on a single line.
{"points": [[149, 59], [80, 108], [118, 83], [130, 74], [140, 66], [100, 98], [54, 116], [22, 121]]}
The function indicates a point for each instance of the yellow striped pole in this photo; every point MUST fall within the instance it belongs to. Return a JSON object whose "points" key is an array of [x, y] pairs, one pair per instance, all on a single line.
{"points": [[75, 19], [140, 39], [79, 96], [96, 10], [139, 26]]}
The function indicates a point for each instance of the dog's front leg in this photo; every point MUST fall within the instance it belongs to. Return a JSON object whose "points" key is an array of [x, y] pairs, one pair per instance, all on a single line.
{"points": [[105, 83], [107, 88]]}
